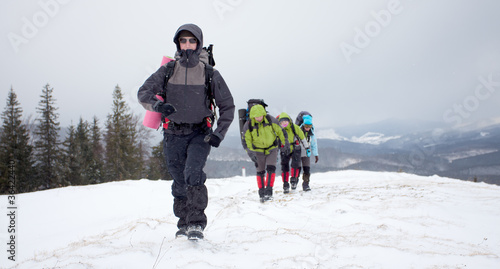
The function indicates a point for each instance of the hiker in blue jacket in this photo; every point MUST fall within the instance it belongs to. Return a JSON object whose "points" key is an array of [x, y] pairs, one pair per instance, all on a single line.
{"points": [[308, 130]]}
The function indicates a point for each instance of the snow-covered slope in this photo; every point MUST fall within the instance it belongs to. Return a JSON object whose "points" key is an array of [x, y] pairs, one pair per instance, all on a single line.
{"points": [[373, 138], [350, 219]]}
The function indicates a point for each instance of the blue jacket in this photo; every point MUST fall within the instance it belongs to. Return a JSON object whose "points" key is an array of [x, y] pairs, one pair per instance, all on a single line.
{"points": [[311, 140]]}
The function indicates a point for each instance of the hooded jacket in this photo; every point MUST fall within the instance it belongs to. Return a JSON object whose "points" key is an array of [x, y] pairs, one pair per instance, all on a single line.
{"points": [[312, 142], [292, 139], [261, 136], [185, 89]]}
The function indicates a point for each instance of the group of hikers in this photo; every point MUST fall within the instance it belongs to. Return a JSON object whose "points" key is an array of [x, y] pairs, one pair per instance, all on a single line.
{"points": [[264, 136], [184, 93]]}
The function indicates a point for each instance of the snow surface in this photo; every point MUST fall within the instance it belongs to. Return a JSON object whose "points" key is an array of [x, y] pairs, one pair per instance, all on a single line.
{"points": [[350, 219]]}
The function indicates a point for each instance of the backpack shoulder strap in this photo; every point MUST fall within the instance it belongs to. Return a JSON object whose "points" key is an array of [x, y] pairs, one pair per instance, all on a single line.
{"points": [[170, 71], [307, 134], [269, 118], [209, 72], [293, 130]]}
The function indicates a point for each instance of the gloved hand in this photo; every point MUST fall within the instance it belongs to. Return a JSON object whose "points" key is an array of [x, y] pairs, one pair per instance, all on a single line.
{"points": [[166, 109], [213, 140], [308, 152], [252, 156], [316, 159]]}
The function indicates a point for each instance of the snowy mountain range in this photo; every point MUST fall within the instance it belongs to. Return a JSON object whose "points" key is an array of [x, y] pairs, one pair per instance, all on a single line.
{"points": [[469, 152], [350, 219]]}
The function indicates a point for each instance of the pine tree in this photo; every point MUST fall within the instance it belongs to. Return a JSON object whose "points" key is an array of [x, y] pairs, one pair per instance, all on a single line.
{"points": [[47, 145], [97, 161], [72, 171], [143, 147], [157, 168], [15, 149], [120, 139], [85, 150]]}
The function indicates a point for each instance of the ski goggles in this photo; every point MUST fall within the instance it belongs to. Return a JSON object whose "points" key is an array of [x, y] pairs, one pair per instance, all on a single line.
{"points": [[192, 40], [308, 126]]}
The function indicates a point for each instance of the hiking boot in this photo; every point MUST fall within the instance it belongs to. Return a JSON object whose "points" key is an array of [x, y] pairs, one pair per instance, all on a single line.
{"points": [[305, 187], [268, 198], [181, 232], [262, 191], [269, 191], [195, 232], [286, 187], [305, 183], [294, 181]]}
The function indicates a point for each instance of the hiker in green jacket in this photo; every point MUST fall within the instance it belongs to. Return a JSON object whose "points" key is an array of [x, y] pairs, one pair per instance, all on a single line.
{"points": [[263, 137], [295, 138]]}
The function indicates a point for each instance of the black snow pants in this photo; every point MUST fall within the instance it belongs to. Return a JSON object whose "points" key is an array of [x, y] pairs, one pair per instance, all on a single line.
{"points": [[186, 156]]}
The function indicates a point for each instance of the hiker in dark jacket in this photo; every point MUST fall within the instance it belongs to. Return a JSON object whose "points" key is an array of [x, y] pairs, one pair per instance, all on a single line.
{"points": [[189, 135], [263, 137]]}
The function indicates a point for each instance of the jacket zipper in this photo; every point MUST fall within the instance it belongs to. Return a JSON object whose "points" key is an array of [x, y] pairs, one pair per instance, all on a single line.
{"points": [[185, 81], [186, 78]]}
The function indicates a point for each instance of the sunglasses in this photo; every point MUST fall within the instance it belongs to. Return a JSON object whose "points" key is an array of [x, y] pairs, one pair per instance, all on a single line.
{"points": [[191, 40]]}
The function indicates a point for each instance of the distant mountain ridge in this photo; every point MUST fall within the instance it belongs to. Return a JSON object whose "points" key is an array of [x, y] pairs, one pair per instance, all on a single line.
{"points": [[470, 152]]}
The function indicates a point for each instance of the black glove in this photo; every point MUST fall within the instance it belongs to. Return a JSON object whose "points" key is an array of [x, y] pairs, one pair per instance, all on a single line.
{"points": [[213, 140], [285, 150], [164, 108], [317, 159], [252, 156]]}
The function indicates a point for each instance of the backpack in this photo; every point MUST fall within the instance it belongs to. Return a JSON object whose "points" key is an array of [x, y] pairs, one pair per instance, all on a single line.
{"points": [[299, 120], [243, 116], [209, 72], [243, 113]]}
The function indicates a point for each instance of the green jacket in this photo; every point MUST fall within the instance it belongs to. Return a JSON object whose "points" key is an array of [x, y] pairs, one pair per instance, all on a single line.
{"points": [[262, 136], [292, 138]]}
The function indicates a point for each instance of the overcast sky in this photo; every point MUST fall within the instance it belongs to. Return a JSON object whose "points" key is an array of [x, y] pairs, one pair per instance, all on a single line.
{"points": [[347, 62]]}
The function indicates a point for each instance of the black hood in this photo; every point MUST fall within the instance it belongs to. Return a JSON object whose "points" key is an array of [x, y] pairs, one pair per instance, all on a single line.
{"points": [[195, 30]]}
